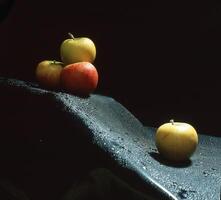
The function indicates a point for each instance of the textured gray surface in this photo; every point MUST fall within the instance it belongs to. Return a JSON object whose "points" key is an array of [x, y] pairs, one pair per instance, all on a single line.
{"points": [[198, 179], [123, 138]]}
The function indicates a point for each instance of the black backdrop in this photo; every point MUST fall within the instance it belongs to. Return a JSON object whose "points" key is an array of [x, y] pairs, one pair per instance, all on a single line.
{"points": [[159, 59]]}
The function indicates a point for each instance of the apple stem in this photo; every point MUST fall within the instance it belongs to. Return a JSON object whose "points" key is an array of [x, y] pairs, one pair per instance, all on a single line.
{"points": [[71, 35], [172, 121]]}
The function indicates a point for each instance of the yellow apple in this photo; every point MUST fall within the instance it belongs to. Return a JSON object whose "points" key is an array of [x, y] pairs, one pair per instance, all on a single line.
{"points": [[48, 73], [176, 141], [75, 50]]}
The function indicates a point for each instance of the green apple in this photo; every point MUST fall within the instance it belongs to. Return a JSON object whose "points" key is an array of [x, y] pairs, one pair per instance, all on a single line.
{"points": [[75, 50]]}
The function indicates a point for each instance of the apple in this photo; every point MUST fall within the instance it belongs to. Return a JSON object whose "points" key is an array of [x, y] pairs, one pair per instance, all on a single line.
{"points": [[80, 49], [79, 78], [176, 141], [48, 73]]}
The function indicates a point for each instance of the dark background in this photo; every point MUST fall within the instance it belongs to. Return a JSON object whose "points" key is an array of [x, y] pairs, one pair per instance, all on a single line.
{"points": [[159, 59]]}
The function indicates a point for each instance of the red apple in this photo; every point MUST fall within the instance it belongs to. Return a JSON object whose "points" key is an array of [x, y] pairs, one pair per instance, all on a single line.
{"points": [[79, 78], [48, 73]]}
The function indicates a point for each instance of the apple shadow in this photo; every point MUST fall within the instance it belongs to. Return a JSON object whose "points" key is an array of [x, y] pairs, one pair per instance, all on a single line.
{"points": [[83, 96], [77, 93], [156, 156]]}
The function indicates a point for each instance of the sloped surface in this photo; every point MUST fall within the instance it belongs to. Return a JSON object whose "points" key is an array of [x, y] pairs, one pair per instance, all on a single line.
{"points": [[65, 137]]}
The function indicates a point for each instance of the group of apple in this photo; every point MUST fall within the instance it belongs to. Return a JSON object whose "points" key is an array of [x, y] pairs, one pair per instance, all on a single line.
{"points": [[75, 73]]}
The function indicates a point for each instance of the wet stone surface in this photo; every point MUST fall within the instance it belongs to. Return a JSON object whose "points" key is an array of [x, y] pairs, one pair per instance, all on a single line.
{"points": [[98, 131]]}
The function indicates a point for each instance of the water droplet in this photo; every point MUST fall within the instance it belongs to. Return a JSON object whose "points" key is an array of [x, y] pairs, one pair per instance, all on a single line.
{"points": [[153, 149], [180, 188], [120, 138], [135, 140], [174, 185], [183, 194], [206, 173], [112, 148], [129, 151]]}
